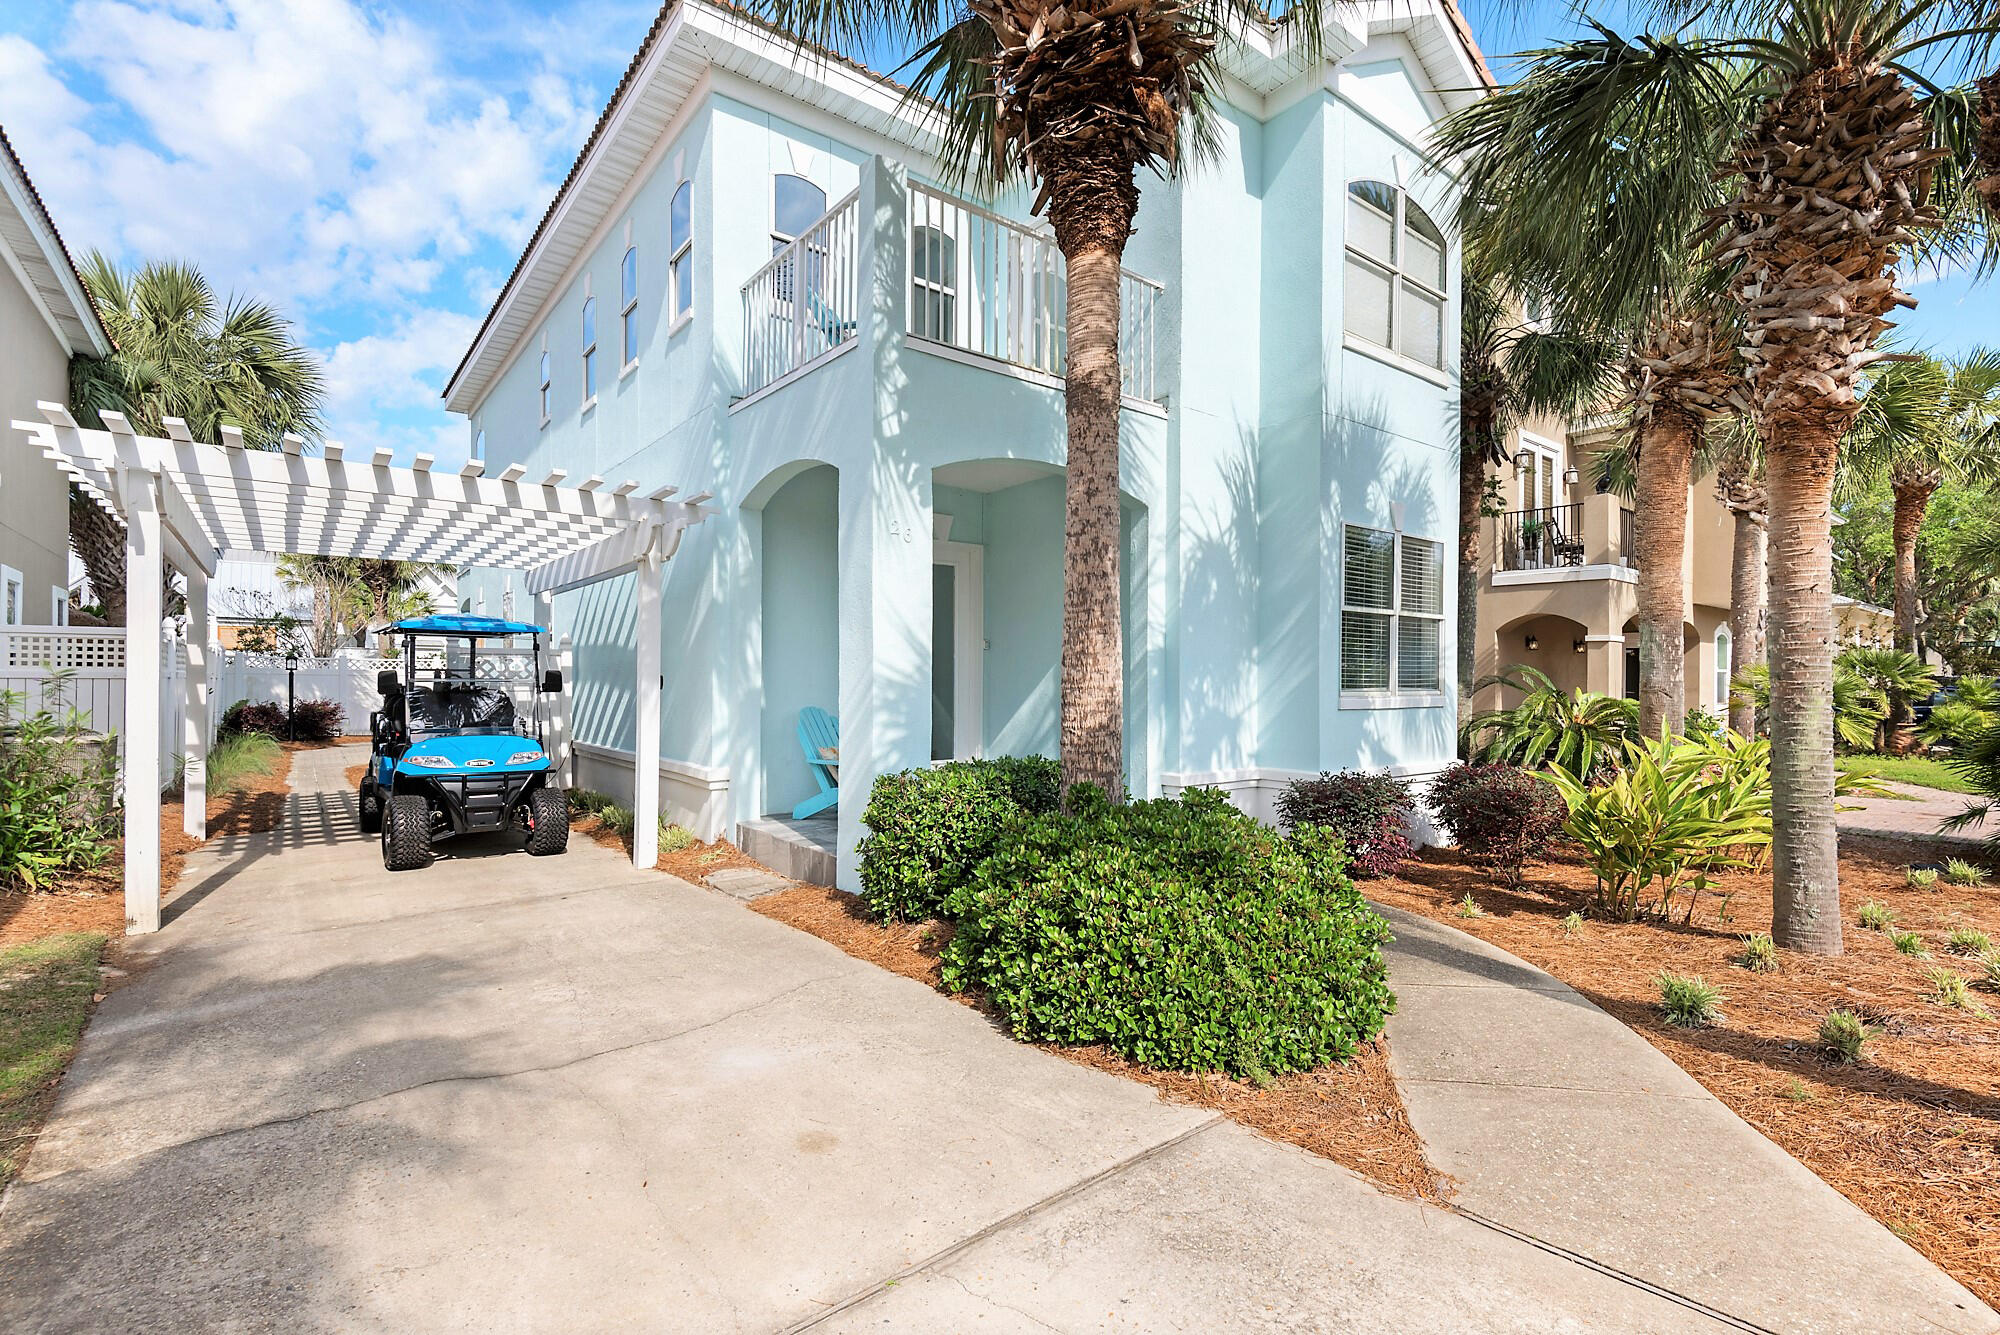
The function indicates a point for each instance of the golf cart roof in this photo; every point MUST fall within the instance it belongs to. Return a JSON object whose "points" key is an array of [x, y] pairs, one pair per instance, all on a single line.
{"points": [[464, 623]]}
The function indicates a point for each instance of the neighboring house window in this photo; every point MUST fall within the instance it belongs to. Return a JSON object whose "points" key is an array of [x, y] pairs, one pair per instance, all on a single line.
{"points": [[589, 348], [628, 303], [680, 244], [933, 285], [13, 597], [58, 605], [1391, 612], [545, 389], [1395, 273], [1725, 648], [796, 204]]}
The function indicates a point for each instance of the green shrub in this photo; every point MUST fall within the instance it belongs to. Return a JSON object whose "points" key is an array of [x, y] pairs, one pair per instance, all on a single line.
{"points": [[1876, 917], [1180, 932], [1923, 878], [1968, 941], [1760, 953], [1689, 1000], [1677, 812], [1843, 1035], [1370, 812], [1498, 814], [1908, 943], [1960, 872], [585, 802], [928, 829], [619, 820], [1989, 963], [58, 790], [308, 721], [674, 838], [1699, 725]]}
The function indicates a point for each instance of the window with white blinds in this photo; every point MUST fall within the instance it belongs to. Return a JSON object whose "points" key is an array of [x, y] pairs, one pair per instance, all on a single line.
{"points": [[1396, 272], [1391, 612]]}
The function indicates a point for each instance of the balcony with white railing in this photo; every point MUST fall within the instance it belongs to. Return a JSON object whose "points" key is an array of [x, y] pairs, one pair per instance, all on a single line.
{"points": [[805, 304], [981, 288], [997, 289]]}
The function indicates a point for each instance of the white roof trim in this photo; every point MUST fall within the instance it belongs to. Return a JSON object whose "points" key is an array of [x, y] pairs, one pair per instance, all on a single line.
{"points": [[36, 254]]}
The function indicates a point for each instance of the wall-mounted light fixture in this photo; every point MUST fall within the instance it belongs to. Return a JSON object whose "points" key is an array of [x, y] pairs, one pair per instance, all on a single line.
{"points": [[1523, 458], [1571, 476], [1577, 645], [1533, 643]]}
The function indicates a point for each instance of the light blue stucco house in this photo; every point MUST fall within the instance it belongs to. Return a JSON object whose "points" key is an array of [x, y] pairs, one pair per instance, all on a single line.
{"points": [[752, 285]]}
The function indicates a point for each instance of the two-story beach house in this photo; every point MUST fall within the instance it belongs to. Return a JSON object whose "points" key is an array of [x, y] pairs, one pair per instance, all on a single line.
{"points": [[754, 284]]}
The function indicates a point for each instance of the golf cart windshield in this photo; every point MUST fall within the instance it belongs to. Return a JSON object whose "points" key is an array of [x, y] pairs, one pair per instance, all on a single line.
{"points": [[469, 685]]}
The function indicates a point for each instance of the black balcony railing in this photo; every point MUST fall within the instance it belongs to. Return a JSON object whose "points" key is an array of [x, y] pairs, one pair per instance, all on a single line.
{"points": [[1625, 548], [1539, 539]]}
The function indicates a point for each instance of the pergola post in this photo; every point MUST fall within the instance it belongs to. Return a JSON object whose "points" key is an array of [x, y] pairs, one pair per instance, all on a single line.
{"points": [[194, 710], [646, 711], [144, 683]]}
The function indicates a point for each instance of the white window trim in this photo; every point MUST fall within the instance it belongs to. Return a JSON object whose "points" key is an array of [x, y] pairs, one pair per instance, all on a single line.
{"points": [[628, 310], [946, 287], [11, 578], [588, 317], [1392, 696], [678, 255], [546, 371], [58, 605], [1398, 225], [1725, 655]]}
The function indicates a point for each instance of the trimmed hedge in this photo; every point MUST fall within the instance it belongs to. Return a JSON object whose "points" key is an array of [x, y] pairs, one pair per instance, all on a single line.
{"points": [[1370, 812], [929, 828], [1181, 932], [1498, 814]]}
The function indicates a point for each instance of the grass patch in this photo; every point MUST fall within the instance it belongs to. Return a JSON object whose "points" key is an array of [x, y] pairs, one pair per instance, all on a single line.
{"points": [[238, 757], [674, 838], [1876, 917], [1760, 953], [45, 992], [1921, 771], [1844, 1036], [1689, 1001]]}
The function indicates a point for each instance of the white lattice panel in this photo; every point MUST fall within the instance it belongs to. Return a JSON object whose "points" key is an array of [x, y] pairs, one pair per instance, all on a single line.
{"points": [[65, 648]]}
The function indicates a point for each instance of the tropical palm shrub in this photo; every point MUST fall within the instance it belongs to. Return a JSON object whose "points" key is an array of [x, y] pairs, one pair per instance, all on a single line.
{"points": [[1859, 708], [1895, 676], [1579, 732], [1973, 708], [1370, 812], [1498, 814], [1664, 824], [1180, 932], [58, 791]]}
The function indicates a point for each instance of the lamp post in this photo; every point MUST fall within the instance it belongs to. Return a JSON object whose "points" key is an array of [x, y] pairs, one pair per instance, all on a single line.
{"points": [[291, 694]]}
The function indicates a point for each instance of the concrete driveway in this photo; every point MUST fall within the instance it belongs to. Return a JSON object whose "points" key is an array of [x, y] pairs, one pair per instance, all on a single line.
{"points": [[515, 1094]]}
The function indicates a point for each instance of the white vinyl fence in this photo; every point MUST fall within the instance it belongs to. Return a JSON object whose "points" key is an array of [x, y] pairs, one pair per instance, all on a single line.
{"points": [[60, 668], [348, 680]]}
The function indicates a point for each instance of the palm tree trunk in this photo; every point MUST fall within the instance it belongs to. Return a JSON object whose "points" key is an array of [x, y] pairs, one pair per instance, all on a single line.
{"points": [[100, 544], [1471, 492], [1093, 662], [1659, 539], [1805, 869], [1912, 499], [1746, 613]]}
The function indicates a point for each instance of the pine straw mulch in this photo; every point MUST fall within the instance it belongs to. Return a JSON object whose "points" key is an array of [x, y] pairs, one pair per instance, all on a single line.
{"points": [[93, 900], [1349, 1113], [1911, 1134], [690, 864]]}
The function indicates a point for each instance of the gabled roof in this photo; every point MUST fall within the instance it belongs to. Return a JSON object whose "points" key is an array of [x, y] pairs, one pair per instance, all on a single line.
{"points": [[687, 36], [37, 251]]}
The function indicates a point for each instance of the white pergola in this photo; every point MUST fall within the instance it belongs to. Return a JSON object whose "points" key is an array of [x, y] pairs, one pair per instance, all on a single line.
{"points": [[187, 502]]}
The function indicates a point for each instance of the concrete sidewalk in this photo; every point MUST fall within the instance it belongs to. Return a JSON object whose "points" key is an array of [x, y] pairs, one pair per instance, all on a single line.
{"points": [[1562, 1124], [1917, 814]]}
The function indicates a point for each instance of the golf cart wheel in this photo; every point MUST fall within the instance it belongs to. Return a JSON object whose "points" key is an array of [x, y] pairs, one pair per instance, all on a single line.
{"points": [[548, 813], [371, 807], [406, 833]]}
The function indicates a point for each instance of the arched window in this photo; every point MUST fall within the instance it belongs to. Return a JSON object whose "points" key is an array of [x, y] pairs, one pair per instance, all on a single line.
{"points": [[933, 283], [589, 348], [1396, 271], [479, 445], [796, 204], [628, 304], [680, 249], [1725, 653], [545, 388]]}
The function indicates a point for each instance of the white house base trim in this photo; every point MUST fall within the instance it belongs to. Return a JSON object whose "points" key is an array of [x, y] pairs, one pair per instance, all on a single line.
{"points": [[691, 795]]}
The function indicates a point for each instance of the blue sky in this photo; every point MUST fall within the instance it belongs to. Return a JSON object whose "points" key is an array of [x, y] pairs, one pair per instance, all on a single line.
{"points": [[374, 169]]}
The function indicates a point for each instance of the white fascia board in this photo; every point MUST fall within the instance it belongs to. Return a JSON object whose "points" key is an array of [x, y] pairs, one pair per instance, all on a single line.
{"points": [[48, 266]]}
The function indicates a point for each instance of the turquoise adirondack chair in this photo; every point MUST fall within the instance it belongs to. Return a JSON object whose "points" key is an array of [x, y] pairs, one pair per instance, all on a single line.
{"points": [[819, 736]]}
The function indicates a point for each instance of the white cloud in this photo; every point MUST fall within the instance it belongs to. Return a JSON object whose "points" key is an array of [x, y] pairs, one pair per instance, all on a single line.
{"points": [[402, 368]]}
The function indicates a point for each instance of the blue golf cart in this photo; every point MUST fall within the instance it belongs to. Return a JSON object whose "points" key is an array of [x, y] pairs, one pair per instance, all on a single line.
{"points": [[459, 742]]}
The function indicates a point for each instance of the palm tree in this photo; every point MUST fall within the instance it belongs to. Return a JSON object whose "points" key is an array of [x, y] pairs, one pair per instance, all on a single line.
{"points": [[1840, 156], [1935, 421], [1509, 368], [1072, 99], [179, 354]]}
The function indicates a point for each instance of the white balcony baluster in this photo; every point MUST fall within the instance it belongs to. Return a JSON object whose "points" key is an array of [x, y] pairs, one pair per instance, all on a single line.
{"points": [[806, 302]]}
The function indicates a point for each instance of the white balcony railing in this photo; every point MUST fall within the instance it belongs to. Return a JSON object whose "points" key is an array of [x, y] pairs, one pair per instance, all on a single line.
{"points": [[806, 301], [990, 286]]}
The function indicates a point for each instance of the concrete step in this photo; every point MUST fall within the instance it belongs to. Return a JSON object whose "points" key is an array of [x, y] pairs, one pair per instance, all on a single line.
{"points": [[800, 849]]}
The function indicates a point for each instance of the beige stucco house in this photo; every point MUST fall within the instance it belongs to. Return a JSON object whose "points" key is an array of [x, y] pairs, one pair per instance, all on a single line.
{"points": [[46, 317], [1558, 588]]}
